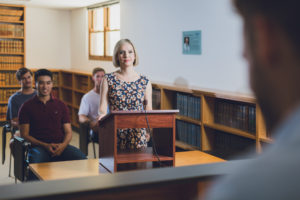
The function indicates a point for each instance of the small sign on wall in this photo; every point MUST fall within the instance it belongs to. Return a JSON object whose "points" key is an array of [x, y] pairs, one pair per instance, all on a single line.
{"points": [[191, 42]]}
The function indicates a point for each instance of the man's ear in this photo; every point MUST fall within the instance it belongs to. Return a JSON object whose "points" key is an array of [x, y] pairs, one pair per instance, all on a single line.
{"points": [[266, 41]]}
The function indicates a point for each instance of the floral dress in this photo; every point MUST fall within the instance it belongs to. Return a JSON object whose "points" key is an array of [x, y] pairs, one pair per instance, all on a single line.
{"points": [[124, 95]]}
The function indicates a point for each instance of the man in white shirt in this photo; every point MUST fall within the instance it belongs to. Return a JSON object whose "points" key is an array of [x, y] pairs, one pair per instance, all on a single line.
{"points": [[89, 105], [272, 49]]}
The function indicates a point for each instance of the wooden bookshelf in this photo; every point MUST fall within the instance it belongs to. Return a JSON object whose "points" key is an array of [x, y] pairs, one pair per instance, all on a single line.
{"points": [[72, 86], [229, 123], [12, 51]]}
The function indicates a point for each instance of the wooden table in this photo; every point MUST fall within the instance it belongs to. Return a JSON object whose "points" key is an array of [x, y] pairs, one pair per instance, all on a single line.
{"points": [[91, 167]]}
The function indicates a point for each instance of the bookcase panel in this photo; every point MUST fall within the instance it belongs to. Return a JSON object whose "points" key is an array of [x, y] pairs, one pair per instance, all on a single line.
{"points": [[70, 112], [66, 95], [229, 146], [66, 79], [81, 82], [75, 120], [156, 99], [77, 98], [168, 100]]}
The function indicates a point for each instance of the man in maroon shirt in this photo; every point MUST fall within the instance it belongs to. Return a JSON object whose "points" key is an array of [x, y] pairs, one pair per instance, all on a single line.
{"points": [[44, 121]]}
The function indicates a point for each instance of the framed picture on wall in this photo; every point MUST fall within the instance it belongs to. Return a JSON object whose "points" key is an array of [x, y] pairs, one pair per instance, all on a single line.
{"points": [[191, 42]]}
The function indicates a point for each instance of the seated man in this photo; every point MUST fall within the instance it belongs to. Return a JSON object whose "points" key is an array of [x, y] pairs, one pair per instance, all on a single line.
{"points": [[24, 76], [44, 121], [89, 105]]}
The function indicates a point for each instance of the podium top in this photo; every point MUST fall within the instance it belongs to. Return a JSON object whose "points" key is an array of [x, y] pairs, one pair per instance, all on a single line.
{"points": [[134, 112]]}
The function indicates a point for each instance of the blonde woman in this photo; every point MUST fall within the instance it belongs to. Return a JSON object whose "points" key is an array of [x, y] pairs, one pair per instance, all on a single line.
{"points": [[125, 89]]}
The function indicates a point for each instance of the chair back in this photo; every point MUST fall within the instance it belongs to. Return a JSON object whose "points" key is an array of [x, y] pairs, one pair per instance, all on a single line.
{"points": [[6, 129], [20, 149]]}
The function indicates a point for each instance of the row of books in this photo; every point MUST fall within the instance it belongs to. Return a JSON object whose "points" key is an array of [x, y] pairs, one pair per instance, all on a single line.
{"points": [[188, 133], [236, 115], [6, 93], [8, 78], [11, 66], [188, 105], [12, 30], [3, 109], [11, 59], [11, 46], [156, 95], [231, 145]]}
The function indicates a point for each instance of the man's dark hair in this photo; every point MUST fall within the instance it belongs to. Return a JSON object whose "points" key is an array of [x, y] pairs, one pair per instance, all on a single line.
{"points": [[284, 13], [98, 69], [21, 72], [42, 72]]}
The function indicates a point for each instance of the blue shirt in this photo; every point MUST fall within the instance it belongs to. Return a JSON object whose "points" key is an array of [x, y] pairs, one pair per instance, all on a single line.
{"points": [[14, 103]]}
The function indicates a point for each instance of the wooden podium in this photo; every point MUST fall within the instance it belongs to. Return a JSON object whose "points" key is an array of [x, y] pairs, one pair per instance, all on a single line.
{"points": [[162, 122]]}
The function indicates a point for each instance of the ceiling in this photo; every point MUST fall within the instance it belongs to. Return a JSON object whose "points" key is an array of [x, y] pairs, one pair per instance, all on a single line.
{"points": [[58, 4]]}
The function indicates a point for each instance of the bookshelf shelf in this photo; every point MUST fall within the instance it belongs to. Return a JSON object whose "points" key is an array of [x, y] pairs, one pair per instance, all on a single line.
{"points": [[10, 86], [230, 130], [11, 37], [80, 91], [185, 146], [12, 53], [11, 21], [266, 140], [188, 119], [66, 87]]}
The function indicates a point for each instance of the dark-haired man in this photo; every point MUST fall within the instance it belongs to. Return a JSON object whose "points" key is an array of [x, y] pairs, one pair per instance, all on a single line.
{"points": [[272, 49], [45, 122]]}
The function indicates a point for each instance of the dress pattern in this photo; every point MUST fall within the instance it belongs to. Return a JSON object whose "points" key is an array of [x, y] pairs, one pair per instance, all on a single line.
{"points": [[124, 95]]}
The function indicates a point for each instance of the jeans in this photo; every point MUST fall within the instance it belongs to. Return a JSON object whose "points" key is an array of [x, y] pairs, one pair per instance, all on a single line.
{"points": [[39, 154]]}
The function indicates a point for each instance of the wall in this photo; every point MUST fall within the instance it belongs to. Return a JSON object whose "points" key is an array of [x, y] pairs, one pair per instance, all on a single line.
{"points": [[155, 27], [47, 38], [79, 44]]}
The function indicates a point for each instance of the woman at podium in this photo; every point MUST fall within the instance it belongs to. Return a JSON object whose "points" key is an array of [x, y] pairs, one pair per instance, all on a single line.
{"points": [[127, 90]]}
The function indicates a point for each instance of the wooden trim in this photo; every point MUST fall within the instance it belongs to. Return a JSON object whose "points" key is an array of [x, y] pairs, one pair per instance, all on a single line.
{"points": [[104, 58]]}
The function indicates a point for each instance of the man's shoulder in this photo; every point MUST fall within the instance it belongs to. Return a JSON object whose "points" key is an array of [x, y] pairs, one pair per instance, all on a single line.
{"points": [[15, 95], [90, 94]]}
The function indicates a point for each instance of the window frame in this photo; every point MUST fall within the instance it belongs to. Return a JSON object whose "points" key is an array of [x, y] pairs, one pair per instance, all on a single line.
{"points": [[106, 29]]}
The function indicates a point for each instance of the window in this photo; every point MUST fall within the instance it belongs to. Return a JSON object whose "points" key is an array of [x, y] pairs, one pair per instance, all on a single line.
{"points": [[104, 31]]}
